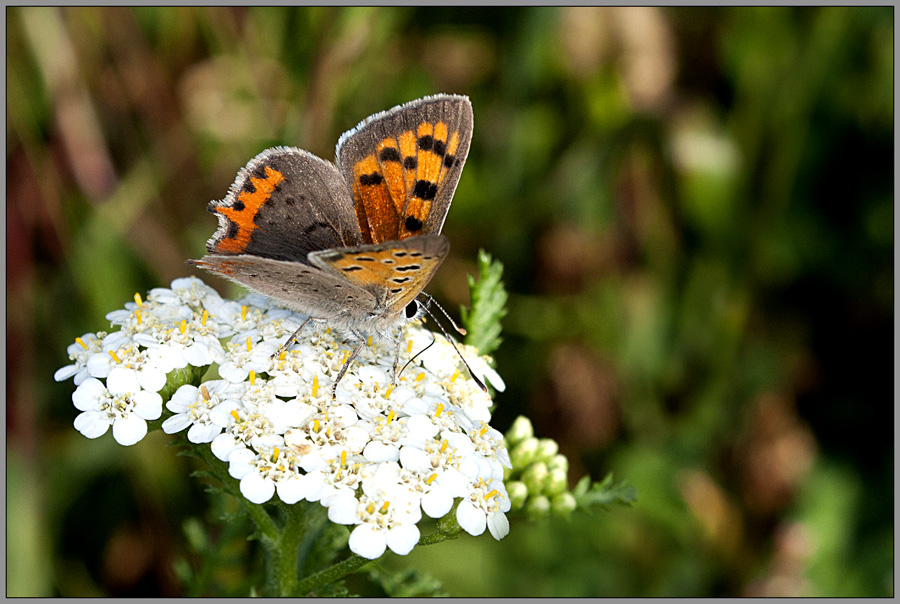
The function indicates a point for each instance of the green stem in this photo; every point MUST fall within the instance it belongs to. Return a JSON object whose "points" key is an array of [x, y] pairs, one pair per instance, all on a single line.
{"points": [[331, 574], [436, 537], [285, 557], [265, 525], [355, 562], [283, 543]]}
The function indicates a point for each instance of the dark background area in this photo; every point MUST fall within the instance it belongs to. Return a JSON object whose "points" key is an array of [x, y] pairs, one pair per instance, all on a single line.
{"points": [[694, 208]]}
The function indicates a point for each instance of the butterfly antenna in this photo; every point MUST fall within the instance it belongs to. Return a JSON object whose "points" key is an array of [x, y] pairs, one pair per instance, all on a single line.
{"points": [[433, 340], [450, 339], [431, 300]]}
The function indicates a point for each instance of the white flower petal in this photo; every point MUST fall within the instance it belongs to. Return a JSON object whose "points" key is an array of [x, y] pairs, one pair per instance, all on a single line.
{"points": [[223, 445], [422, 424], [87, 395], [256, 488], [454, 481], [122, 381], [315, 485], [231, 372], [494, 378], [183, 398], [151, 378], [372, 375], [292, 489], [198, 355], [367, 541], [203, 433], [98, 365], [356, 439], [91, 424], [81, 376], [296, 413], [64, 373], [344, 415], [402, 539], [129, 429], [241, 462], [147, 405], [220, 415], [377, 452], [498, 524], [342, 509], [437, 502], [415, 459], [402, 394], [470, 518], [176, 423]]}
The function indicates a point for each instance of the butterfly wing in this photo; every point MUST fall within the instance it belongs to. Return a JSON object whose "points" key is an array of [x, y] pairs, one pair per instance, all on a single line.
{"points": [[402, 166], [394, 272], [283, 204], [302, 288]]}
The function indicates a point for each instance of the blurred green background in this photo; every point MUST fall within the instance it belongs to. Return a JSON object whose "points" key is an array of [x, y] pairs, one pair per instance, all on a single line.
{"points": [[695, 212]]}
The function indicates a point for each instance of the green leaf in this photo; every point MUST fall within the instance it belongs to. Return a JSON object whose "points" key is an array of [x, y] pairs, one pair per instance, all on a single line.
{"points": [[488, 297], [603, 494], [406, 583]]}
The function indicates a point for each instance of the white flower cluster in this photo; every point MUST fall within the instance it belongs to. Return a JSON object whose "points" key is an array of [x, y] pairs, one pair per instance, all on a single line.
{"points": [[377, 455]]}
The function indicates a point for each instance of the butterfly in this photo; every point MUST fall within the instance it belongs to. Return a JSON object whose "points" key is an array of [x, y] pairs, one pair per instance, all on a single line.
{"points": [[352, 243]]}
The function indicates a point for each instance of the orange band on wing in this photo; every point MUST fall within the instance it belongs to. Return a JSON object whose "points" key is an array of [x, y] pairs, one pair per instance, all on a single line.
{"points": [[243, 212], [378, 219], [392, 168], [395, 187]]}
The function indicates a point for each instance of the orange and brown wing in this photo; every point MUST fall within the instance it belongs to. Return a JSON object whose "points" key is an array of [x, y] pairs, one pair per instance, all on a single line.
{"points": [[394, 272], [305, 289], [283, 205], [402, 166]]}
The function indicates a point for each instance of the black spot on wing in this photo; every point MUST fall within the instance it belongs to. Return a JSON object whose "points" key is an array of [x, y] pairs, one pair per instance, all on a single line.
{"points": [[389, 154], [258, 172], [412, 225], [368, 180], [424, 189]]}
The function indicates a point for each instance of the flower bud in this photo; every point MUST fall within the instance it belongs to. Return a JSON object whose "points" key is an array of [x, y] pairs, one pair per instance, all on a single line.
{"points": [[537, 507], [534, 477], [559, 462], [547, 448], [563, 504], [520, 430], [524, 453], [556, 482], [518, 493]]}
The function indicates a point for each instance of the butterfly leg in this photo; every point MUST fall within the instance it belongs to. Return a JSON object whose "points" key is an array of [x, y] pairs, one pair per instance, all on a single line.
{"points": [[289, 342], [397, 358], [362, 342]]}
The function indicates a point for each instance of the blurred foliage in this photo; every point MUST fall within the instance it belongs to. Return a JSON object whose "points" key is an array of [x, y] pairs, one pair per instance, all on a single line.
{"points": [[488, 305], [694, 210]]}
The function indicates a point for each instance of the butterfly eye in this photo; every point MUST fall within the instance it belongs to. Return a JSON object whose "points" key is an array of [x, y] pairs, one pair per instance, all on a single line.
{"points": [[413, 310]]}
